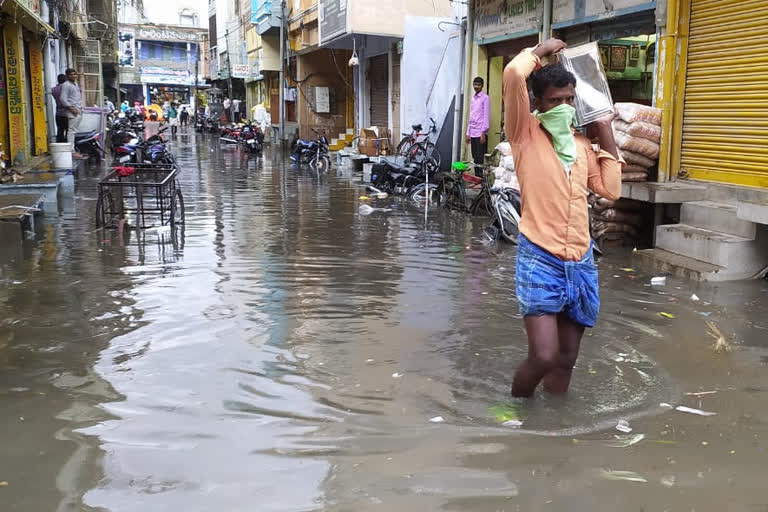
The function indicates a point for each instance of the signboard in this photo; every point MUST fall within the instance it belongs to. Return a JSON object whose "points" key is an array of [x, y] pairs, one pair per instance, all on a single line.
{"points": [[333, 19], [126, 49], [160, 75], [15, 82], [572, 12], [38, 97], [240, 71], [166, 34], [506, 19]]}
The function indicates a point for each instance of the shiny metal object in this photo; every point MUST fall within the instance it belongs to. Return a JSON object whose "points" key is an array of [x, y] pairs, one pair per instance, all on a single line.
{"points": [[593, 97]]}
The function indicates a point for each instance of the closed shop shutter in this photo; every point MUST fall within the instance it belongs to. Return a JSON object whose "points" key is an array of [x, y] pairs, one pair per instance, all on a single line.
{"points": [[725, 114], [379, 99]]}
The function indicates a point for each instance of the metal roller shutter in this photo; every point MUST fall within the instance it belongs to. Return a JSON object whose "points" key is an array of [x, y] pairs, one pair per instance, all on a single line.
{"points": [[378, 76], [725, 116]]}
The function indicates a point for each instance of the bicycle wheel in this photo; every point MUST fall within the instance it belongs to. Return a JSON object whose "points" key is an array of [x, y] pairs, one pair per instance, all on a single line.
{"points": [[432, 153], [404, 146], [177, 209], [481, 205]]}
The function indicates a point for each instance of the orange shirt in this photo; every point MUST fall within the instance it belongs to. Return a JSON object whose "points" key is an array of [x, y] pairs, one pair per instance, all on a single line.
{"points": [[554, 205]]}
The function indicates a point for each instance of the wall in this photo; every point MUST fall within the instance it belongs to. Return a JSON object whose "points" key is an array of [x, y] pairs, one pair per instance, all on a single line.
{"points": [[368, 16], [318, 69], [423, 37]]}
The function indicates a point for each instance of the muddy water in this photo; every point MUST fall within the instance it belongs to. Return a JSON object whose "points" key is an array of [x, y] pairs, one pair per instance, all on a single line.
{"points": [[287, 353]]}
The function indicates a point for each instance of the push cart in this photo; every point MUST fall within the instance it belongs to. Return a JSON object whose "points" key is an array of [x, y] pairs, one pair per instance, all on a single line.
{"points": [[141, 195]]}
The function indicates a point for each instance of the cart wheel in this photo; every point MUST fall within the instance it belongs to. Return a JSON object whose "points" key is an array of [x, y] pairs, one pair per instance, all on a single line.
{"points": [[101, 214], [177, 209]]}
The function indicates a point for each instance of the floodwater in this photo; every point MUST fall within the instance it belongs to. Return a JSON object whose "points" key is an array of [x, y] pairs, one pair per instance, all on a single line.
{"points": [[286, 353]]}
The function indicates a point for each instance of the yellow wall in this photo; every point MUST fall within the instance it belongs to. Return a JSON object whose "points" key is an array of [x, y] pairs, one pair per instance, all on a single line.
{"points": [[38, 97], [493, 86]]}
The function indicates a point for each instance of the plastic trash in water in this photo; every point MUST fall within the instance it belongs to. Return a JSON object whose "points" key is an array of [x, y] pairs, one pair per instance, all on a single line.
{"points": [[623, 426], [367, 210], [436, 419], [382, 195], [658, 281], [396, 375], [512, 423], [667, 315], [629, 476], [695, 298], [626, 441], [504, 413], [691, 410]]}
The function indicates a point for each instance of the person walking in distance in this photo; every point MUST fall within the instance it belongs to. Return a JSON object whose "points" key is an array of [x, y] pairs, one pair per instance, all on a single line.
{"points": [[72, 100], [184, 116], [62, 122], [479, 124], [172, 115], [556, 277]]}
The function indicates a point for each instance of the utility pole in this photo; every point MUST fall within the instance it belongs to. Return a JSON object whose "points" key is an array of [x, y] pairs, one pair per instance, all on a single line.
{"points": [[197, 69], [282, 72], [229, 74]]}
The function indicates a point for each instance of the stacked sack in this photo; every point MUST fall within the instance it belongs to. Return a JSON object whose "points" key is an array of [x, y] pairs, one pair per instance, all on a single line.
{"points": [[622, 221], [637, 131], [504, 174]]}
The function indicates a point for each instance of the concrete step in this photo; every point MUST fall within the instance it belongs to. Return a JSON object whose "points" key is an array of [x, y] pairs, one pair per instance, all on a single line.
{"points": [[351, 131], [659, 261], [670, 192], [753, 211], [738, 254], [717, 217]]}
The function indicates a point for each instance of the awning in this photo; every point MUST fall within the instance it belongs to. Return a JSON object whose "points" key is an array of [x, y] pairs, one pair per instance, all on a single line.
{"points": [[25, 16]]}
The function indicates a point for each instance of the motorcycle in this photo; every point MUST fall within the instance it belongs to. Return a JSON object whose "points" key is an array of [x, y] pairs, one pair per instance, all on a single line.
{"points": [[89, 143], [506, 219], [313, 152], [253, 139]]}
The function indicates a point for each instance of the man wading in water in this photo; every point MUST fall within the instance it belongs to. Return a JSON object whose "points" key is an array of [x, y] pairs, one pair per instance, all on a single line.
{"points": [[556, 277]]}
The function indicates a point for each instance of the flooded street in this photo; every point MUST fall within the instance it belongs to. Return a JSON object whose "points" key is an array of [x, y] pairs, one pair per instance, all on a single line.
{"points": [[287, 353]]}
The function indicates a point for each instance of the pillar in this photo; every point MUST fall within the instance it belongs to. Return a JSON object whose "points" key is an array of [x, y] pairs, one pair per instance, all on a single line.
{"points": [[38, 96], [18, 148]]}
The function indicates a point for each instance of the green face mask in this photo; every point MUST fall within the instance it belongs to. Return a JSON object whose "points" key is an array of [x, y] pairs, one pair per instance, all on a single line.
{"points": [[559, 122]]}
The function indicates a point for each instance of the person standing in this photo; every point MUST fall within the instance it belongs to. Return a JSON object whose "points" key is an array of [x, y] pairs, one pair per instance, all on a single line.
{"points": [[556, 277], [236, 111], [479, 124], [72, 100], [61, 113], [172, 116], [184, 116], [108, 105], [227, 112]]}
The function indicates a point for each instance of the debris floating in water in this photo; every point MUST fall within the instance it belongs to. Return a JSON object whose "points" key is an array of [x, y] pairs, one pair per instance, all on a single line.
{"points": [[690, 410], [626, 441], [396, 375], [367, 210], [629, 476], [721, 344], [436, 419], [695, 298], [512, 423], [658, 281], [668, 480], [504, 413], [666, 315], [623, 426], [666, 405]]}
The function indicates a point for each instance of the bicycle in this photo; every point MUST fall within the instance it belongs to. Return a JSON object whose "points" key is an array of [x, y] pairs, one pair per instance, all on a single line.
{"points": [[416, 146], [451, 190]]}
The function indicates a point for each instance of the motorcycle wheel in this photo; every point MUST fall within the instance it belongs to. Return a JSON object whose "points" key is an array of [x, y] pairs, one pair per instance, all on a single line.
{"points": [[177, 209], [321, 163]]}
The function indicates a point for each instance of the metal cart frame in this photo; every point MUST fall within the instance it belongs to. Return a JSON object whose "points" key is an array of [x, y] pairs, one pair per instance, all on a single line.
{"points": [[150, 194]]}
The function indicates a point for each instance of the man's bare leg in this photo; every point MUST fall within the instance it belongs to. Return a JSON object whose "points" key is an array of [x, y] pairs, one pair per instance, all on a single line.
{"points": [[569, 335], [543, 354]]}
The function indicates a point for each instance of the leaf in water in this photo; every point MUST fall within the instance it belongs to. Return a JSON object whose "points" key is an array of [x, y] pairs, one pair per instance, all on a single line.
{"points": [[629, 476], [666, 315], [626, 441], [503, 413]]}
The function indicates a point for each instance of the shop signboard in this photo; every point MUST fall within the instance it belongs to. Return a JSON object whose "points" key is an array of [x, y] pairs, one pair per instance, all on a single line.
{"points": [[573, 12], [240, 71], [160, 75], [126, 49], [333, 19], [15, 83], [497, 20], [166, 34], [38, 97]]}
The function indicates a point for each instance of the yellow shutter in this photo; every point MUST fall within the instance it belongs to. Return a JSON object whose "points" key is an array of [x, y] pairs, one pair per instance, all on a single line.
{"points": [[725, 116]]}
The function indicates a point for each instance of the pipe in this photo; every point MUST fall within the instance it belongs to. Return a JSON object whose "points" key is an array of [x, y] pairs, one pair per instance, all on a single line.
{"points": [[456, 149], [468, 52], [546, 23], [665, 87], [282, 73]]}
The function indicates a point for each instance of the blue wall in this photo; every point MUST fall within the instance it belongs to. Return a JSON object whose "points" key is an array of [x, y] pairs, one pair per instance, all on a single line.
{"points": [[163, 50]]}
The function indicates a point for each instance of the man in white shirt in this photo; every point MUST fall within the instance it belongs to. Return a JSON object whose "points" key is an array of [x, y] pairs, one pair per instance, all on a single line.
{"points": [[72, 101]]}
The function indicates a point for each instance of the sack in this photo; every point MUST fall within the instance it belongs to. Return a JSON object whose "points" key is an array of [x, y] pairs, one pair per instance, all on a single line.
{"points": [[637, 145], [633, 168], [633, 158], [641, 129], [634, 176], [616, 215], [602, 227], [631, 112]]}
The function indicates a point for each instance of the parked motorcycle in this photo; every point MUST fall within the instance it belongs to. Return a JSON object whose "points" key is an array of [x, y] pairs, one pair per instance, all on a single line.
{"points": [[252, 138], [313, 152], [89, 143], [506, 221]]}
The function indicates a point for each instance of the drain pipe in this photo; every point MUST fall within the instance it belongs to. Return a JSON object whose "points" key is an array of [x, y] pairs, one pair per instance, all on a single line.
{"points": [[546, 22], [457, 103], [469, 49]]}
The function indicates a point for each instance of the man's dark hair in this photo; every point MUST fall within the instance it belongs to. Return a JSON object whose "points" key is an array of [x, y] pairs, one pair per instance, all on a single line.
{"points": [[70, 70], [61, 79], [552, 75], [478, 80]]}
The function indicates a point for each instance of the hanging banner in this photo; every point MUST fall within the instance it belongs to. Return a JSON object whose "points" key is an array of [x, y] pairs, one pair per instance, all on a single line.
{"points": [[38, 97], [497, 20], [126, 49], [240, 71], [15, 83], [3, 103]]}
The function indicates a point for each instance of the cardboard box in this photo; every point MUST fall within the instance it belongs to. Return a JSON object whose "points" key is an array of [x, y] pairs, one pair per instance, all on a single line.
{"points": [[374, 141]]}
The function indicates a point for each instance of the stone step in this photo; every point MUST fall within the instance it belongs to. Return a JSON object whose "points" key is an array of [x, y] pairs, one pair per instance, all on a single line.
{"points": [[738, 254], [659, 261], [351, 131], [753, 211], [715, 216]]}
